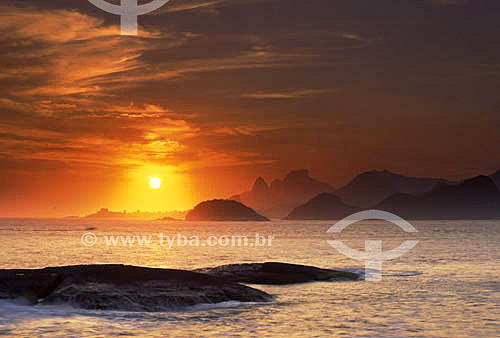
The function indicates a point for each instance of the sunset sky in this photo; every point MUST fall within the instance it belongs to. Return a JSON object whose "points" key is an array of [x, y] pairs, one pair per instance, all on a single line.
{"points": [[213, 93]]}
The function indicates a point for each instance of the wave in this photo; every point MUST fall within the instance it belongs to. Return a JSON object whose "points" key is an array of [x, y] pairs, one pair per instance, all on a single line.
{"points": [[19, 309], [208, 306], [401, 274], [362, 272]]}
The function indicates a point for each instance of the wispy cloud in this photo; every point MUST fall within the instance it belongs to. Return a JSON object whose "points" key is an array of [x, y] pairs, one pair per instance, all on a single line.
{"points": [[180, 6], [66, 68], [61, 52], [69, 72], [205, 6], [298, 94], [58, 59]]}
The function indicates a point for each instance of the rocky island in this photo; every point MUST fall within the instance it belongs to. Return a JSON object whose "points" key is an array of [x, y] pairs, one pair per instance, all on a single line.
{"points": [[222, 211], [121, 287], [276, 273], [131, 288]]}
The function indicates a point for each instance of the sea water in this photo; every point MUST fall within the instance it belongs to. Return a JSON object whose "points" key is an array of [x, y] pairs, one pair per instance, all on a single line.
{"points": [[446, 286]]}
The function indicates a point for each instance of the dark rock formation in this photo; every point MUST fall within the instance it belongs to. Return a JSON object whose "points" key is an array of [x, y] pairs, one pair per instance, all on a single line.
{"points": [[223, 210], [260, 187], [278, 199], [259, 197], [322, 207], [475, 198], [365, 190], [298, 187], [276, 273], [120, 287], [411, 185], [400, 204], [496, 178], [372, 187]]}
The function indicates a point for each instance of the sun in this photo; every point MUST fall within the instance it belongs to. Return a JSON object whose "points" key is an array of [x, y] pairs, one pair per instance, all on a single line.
{"points": [[155, 183]]}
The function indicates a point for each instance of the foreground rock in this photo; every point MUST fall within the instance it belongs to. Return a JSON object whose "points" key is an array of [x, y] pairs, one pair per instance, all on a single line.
{"points": [[276, 273], [120, 287], [223, 210]]}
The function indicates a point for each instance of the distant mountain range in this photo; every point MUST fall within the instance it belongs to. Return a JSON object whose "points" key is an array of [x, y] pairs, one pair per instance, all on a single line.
{"points": [[496, 178], [298, 196], [325, 206], [278, 199], [372, 187], [475, 198]]}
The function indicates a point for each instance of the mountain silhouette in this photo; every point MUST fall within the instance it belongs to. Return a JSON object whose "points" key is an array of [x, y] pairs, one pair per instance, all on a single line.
{"points": [[223, 210], [496, 178], [325, 206], [366, 189], [475, 198], [260, 187], [283, 195], [298, 196], [259, 197], [372, 187], [411, 185], [299, 187]]}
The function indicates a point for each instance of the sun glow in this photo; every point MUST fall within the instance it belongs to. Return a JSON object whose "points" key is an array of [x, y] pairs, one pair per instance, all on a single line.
{"points": [[155, 183], [176, 191]]}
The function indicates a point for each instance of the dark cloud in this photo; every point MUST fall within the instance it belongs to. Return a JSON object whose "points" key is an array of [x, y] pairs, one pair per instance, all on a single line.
{"points": [[260, 86]]}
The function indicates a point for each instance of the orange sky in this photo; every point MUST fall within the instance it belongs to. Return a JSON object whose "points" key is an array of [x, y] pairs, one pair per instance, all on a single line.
{"points": [[212, 94]]}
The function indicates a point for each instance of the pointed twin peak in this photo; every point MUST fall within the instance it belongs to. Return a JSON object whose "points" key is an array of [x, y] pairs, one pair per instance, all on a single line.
{"points": [[260, 186]]}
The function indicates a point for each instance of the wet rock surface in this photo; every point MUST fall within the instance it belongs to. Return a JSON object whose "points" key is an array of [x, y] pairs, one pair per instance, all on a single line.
{"points": [[120, 287], [276, 273], [130, 288]]}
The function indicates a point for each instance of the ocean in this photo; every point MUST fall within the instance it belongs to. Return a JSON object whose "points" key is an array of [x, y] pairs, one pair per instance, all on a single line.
{"points": [[448, 285]]}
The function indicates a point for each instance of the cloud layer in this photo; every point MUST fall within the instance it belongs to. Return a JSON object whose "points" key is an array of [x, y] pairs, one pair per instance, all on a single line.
{"points": [[240, 88]]}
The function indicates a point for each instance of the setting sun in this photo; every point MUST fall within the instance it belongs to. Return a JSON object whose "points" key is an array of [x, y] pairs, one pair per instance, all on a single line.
{"points": [[155, 183]]}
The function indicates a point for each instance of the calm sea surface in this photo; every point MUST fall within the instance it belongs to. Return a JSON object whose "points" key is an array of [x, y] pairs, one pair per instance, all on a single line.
{"points": [[447, 286]]}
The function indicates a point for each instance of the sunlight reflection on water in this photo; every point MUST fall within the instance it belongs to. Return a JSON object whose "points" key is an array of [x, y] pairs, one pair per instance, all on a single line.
{"points": [[447, 286]]}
